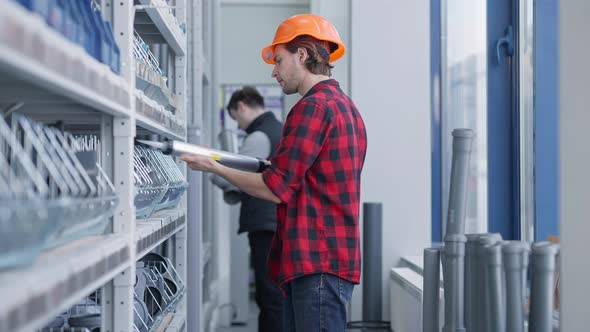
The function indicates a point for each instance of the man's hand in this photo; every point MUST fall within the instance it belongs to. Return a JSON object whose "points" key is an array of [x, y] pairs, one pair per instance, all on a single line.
{"points": [[200, 163], [250, 183]]}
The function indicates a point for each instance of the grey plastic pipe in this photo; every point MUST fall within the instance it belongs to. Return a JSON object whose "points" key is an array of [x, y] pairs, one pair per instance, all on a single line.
{"points": [[481, 303], [372, 301], [525, 265], [471, 301], [453, 278], [462, 141], [495, 297], [542, 286], [513, 253], [431, 288], [454, 251]]}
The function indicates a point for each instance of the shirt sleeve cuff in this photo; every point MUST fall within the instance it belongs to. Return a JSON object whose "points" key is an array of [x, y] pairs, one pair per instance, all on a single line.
{"points": [[275, 181]]}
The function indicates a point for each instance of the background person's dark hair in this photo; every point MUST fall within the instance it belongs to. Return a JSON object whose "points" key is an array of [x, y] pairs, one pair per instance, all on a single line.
{"points": [[248, 95], [318, 61]]}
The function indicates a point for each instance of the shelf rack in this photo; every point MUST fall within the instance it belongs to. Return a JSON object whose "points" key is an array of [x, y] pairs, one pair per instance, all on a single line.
{"points": [[156, 23], [58, 279], [153, 126], [52, 79], [39, 64], [151, 232]]}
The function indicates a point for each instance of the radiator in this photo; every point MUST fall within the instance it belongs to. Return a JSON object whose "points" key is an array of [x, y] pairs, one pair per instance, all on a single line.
{"points": [[406, 300]]}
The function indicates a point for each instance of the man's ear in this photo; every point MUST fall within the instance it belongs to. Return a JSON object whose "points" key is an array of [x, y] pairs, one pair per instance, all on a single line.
{"points": [[239, 106], [302, 54]]}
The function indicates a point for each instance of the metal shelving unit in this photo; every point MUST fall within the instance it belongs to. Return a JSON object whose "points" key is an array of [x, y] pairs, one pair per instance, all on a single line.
{"points": [[199, 121], [174, 321], [153, 231], [58, 279], [152, 126], [40, 65], [52, 79], [157, 23]]}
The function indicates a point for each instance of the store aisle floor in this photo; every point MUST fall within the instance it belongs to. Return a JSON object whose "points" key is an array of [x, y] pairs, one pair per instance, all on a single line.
{"points": [[251, 324]]}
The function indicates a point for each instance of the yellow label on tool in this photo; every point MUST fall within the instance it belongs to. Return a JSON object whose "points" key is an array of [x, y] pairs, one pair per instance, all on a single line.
{"points": [[216, 157]]}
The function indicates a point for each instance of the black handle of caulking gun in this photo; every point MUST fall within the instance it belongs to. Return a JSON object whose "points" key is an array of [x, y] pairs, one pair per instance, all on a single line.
{"points": [[168, 149], [262, 165]]}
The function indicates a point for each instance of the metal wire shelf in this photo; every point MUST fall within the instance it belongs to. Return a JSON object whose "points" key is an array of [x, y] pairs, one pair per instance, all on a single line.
{"points": [[46, 196], [158, 181], [159, 287]]}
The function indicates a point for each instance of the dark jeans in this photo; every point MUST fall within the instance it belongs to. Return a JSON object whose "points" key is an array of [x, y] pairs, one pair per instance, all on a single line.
{"points": [[316, 303], [268, 295]]}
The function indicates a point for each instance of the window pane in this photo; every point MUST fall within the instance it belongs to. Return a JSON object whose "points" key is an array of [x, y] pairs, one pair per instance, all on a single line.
{"points": [[464, 100]]}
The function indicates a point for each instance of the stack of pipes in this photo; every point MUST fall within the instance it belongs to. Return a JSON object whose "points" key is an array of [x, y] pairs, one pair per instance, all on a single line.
{"points": [[485, 278]]}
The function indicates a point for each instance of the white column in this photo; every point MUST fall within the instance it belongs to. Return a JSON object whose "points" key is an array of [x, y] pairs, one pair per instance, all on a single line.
{"points": [[574, 164]]}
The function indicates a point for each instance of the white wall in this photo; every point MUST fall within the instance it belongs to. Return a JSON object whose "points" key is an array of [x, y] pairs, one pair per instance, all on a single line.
{"points": [[390, 74], [574, 164], [246, 27]]}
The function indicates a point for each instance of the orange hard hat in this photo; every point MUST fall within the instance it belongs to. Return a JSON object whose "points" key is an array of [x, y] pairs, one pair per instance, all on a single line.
{"points": [[305, 24]]}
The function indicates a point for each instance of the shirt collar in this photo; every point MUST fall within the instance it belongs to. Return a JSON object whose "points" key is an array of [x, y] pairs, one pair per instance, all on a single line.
{"points": [[320, 85]]}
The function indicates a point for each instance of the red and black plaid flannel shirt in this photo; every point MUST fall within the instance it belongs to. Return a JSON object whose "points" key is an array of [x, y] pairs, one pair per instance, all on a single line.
{"points": [[316, 172]]}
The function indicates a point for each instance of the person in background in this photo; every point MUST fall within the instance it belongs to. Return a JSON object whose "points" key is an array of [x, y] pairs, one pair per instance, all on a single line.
{"points": [[315, 178], [258, 217]]}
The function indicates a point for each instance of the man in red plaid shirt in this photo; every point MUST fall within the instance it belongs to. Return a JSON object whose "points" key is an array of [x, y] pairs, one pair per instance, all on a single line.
{"points": [[314, 178]]}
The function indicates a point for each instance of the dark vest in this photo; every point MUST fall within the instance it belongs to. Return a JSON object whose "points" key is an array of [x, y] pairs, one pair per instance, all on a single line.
{"points": [[257, 214]]}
